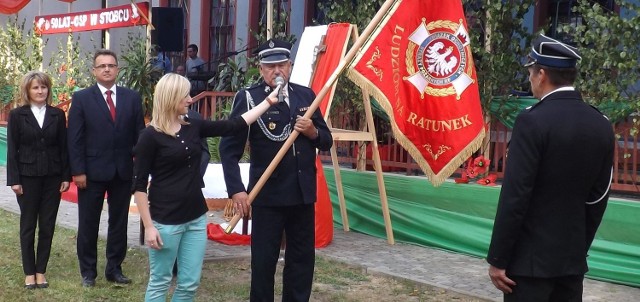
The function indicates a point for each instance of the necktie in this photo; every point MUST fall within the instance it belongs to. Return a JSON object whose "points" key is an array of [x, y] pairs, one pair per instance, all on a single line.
{"points": [[112, 107], [286, 98]]}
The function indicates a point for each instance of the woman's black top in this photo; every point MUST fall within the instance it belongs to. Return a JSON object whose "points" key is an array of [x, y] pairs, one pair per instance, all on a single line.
{"points": [[175, 195]]}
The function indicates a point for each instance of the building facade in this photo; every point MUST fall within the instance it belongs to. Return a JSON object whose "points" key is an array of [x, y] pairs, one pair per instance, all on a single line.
{"points": [[228, 28]]}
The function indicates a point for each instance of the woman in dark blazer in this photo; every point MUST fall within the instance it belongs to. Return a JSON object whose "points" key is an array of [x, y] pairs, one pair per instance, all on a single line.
{"points": [[37, 171]]}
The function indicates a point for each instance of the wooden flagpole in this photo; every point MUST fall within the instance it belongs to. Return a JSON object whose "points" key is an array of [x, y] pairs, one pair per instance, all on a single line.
{"points": [[269, 19], [384, 9]]}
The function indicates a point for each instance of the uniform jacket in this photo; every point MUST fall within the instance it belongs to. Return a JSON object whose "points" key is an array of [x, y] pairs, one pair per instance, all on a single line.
{"points": [[555, 188], [35, 151], [98, 147], [294, 179]]}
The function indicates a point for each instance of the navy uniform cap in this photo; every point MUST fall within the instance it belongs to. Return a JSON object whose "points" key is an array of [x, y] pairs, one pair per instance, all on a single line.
{"points": [[274, 51], [553, 53]]}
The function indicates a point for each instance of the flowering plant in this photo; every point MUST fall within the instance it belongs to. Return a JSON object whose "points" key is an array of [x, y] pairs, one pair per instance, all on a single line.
{"points": [[477, 167], [69, 69]]}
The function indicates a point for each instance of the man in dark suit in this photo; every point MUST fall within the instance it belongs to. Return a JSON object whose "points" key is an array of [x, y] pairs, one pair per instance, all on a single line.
{"points": [[286, 202], [104, 121], [556, 185]]}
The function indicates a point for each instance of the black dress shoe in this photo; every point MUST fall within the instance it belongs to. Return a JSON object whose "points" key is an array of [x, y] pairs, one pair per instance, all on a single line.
{"points": [[118, 278], [88, 282], [30, 286], [43, 285]]}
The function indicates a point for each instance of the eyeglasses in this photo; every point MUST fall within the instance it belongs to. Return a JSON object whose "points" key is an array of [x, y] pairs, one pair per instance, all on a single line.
{"points": [[104, 66]]}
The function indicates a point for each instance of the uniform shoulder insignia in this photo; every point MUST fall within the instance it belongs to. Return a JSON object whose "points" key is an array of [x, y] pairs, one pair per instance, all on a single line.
{"points": [[533, 106], [596, 109], [253, 86]]}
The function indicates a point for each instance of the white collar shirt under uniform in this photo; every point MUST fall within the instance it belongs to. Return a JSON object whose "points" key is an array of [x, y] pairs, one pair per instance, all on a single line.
{"points": [[565, 88]]}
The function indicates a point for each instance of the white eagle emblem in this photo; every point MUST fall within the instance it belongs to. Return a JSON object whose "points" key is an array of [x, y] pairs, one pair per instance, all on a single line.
{"points": [[443, 58], [440, 63]]}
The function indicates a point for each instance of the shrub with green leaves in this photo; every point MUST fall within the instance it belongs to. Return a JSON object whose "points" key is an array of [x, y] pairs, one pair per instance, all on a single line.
{"points": [[137, 71], [610, 47], [20, 52]]}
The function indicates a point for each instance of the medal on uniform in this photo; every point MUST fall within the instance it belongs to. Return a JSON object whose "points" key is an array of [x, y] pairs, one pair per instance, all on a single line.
{"points": [[268, 128]]}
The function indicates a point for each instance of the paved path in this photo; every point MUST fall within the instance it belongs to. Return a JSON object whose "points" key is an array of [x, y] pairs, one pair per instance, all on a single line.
{"points": [[452, 271]]}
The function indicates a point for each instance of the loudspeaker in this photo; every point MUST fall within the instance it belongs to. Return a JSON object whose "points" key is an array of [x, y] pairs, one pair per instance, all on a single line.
{"points": [[169, 28]]}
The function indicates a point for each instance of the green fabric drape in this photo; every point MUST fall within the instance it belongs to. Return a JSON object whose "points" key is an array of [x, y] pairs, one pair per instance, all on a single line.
{"points": [[3, 146], [506, 111], [459, 218]]}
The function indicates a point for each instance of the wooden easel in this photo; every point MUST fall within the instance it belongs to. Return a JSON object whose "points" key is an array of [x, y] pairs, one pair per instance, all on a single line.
{"points": [[368, 134]]}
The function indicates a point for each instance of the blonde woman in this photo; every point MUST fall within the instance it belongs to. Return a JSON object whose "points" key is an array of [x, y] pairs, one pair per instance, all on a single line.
{"points": [[37, 171], [173, 209]]}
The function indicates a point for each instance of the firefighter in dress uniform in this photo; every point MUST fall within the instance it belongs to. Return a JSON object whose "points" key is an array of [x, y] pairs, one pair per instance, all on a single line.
{"points": [[286, 202], [556, 185]]}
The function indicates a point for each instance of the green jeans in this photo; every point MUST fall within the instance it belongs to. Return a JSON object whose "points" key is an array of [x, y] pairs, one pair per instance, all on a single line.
{"points": [[186, 243]]}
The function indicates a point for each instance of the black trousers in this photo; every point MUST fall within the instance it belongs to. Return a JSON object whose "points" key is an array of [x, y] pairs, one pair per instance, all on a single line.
{"points": [[38, 207], [268, 223], [558, 289], [90, 203]]}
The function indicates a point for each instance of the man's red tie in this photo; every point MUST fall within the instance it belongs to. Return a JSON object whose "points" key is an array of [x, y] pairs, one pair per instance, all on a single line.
{"points": [[112, 107]]}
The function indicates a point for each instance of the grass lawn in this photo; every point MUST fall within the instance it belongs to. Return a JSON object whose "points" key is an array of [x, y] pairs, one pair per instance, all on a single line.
{"points": [[226, 280]]}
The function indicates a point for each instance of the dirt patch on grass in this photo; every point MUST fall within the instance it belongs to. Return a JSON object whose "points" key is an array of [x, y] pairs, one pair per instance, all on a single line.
{"points": [[333, 281]]}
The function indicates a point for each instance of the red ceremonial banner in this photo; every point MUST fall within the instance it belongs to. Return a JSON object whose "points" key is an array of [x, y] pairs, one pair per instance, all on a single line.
{"points": [[12, 6], [112, 17], [417, 63], [336, 41]]}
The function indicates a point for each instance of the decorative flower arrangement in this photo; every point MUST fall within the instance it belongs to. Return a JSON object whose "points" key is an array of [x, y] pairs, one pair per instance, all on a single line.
{"points": [[478, 167], [69, 70], [65, 88]]}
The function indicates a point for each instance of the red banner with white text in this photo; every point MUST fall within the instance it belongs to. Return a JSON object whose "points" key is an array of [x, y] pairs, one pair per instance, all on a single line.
{"points": [[417, 63], [133, 14]]}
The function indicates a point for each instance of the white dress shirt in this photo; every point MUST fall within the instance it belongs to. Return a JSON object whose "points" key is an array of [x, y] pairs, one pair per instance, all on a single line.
{"points": [[39, 113], [103, 90]]}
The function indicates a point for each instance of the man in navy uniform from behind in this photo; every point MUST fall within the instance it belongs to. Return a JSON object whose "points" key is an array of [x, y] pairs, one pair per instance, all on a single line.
{"points": [[286, 202], [556, 185]]}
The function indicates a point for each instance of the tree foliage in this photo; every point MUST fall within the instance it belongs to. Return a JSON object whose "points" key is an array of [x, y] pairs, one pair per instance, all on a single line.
{"points": [[137, 71], [610, 49], [21, 51], [500, 41], [19, 54]]}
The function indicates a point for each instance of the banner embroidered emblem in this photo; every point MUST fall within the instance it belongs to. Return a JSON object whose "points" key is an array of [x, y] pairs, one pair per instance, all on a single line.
{"points": [[441, 52]]}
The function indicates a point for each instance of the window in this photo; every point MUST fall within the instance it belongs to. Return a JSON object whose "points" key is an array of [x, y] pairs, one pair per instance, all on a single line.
{"points": [[221, 31], [282, 9]]}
